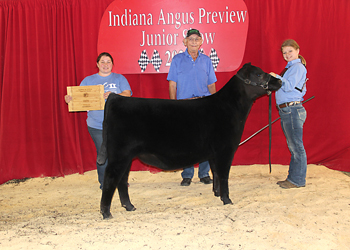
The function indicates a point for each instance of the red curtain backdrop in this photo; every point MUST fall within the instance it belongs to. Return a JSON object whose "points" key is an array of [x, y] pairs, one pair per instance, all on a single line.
{"points": [[47, 45]]}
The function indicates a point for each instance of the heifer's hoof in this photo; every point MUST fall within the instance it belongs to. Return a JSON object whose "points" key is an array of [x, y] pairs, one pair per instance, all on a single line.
{"points": [[107, 216], [106, 212], [227, 201], [129, 207], [217, 193]]}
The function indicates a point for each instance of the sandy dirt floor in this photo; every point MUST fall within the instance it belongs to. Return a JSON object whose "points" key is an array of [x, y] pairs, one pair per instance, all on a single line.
{"points": [[63, 213]]}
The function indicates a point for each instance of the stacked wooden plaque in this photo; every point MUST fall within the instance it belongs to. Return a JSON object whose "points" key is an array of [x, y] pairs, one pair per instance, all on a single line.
{"points": [[86, 98]]}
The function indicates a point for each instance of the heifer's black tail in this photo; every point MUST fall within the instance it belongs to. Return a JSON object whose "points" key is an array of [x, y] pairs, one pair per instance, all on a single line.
{"points": [[102, 154]]}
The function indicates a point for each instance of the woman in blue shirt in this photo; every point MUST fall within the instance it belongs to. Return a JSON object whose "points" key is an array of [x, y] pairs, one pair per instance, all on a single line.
{"points": [[293, 115], [112, 82]]}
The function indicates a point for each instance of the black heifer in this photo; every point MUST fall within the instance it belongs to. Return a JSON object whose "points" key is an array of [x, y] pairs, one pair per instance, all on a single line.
{"points": [[173, 134]]}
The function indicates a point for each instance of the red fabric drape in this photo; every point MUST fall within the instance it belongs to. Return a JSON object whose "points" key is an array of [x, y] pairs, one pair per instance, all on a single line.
{"points": [[47, 45]]}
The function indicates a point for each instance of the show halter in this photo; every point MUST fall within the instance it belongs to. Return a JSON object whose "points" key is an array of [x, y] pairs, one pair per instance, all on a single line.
{"points": [[264, 84]]}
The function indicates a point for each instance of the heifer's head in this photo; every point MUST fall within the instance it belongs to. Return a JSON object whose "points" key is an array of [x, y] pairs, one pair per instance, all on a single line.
{"points": [[254, 76]]}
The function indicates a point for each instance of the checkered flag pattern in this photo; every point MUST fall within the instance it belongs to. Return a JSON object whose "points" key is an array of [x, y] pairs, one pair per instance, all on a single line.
{"points": [[156, 61], [143, 61], [214, 58]]}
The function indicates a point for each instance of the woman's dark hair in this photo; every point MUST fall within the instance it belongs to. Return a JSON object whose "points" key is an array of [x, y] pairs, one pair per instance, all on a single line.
{"points": [[104, 54]]}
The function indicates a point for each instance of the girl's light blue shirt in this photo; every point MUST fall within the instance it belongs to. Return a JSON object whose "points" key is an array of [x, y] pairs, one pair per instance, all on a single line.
{"points": [[295, 76]]}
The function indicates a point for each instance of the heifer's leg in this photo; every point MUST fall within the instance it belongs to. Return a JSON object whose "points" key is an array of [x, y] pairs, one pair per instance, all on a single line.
{"points": [[223, 165], [216, 182], [110, 184], [123, 191], [114, 176]]}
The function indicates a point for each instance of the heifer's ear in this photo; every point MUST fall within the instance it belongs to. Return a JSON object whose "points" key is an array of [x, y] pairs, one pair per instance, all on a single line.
{"points": [[247, 65], [243, 72]]}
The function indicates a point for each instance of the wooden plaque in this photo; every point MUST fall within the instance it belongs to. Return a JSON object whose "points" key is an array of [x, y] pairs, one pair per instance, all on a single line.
{"points": [[86, 98]]}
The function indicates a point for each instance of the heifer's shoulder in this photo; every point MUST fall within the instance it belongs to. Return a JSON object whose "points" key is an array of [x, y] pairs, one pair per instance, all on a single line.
{"points": [[232, 91], [234, 98]]}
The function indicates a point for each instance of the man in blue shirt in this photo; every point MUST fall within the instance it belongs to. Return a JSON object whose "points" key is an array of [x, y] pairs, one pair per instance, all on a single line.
{"points": [[192, 76]]}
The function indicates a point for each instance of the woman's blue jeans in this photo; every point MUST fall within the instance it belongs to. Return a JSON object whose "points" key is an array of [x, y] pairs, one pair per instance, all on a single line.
{"points": [[292, 121], [203, 171], [96, 135]]}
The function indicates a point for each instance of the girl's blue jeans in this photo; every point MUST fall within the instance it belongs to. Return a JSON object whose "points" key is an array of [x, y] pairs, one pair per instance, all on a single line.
{"points": [[292, 121]]}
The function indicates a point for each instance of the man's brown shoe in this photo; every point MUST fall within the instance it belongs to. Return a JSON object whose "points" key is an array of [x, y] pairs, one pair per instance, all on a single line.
{"points": [[286, 184], [279, 182]]}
